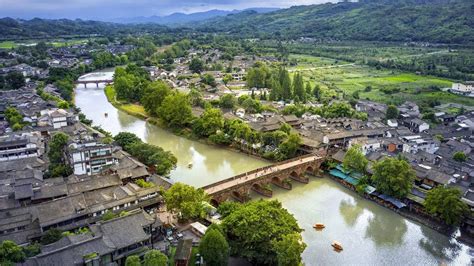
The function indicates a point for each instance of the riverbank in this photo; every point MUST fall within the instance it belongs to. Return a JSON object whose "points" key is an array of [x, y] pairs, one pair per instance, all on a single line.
{"points": [[410, 215]]}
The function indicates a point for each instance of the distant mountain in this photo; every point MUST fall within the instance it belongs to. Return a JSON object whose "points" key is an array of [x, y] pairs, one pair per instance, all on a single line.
{"points": [[439, 21], [44, 28], [178, 19]]}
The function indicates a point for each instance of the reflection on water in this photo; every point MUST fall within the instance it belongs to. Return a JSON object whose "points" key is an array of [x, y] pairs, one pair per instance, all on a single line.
{"points": [[350, 210], [384, 231], [369, 233], [442, 247]]}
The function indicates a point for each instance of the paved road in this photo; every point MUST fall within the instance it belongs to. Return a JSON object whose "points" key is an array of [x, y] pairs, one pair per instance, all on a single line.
{"points": [[232, 182]]}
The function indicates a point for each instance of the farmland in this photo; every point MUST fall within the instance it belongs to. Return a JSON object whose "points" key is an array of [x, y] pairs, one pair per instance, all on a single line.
{"points": [[389, 86]]}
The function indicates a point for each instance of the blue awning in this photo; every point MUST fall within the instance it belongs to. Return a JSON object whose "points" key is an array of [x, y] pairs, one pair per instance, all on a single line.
{"points": [[338, 174], [351, 180], [392, 200]]}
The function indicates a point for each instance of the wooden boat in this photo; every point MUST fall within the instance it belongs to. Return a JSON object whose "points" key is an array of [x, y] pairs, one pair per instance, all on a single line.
{"points": [[319, 226], [190, 165], [106, 114], [337, 246]]}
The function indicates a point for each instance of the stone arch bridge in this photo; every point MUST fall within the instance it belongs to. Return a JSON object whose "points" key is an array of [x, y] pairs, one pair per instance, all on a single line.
{"points": [[260, 180]]}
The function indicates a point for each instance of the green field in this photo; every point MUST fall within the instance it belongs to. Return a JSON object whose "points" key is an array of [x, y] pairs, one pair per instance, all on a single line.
{"points": [[389, 86], [56, 43]]}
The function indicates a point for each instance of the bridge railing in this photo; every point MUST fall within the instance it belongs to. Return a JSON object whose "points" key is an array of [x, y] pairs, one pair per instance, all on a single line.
{"points": [[259, 170]]}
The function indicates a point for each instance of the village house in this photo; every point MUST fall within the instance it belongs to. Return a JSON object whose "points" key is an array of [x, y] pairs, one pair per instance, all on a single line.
{"points": [[466, 88], [88, 158], [20, 146]]}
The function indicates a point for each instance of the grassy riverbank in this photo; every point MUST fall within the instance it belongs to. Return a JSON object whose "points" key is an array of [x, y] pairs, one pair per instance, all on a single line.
{"points": [[129, 108]]}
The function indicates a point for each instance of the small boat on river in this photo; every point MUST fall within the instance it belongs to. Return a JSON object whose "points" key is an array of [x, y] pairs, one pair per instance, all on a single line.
{"points": [[190, 165], [319, 226], [337, 246], [106, 114]]}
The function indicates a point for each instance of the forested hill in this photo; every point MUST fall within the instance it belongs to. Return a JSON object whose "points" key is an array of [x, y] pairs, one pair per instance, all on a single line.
{"points": [[439, 21], [45, 28]]}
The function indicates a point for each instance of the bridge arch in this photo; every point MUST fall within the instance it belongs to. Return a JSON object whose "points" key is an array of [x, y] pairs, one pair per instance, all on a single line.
{"points": [[256, 186], [276, 179], [214, 202], [294, 174], [310, 169]]}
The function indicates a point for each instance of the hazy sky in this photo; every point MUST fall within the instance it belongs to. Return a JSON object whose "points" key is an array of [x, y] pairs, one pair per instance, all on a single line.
{"points": [[105, 9]]}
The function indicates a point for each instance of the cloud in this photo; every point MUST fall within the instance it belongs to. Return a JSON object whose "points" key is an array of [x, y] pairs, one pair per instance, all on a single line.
{"points": [[107, 9]]}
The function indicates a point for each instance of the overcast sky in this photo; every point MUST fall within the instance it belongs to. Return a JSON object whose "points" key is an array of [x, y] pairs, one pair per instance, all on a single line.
{"points": [[106, 9]]}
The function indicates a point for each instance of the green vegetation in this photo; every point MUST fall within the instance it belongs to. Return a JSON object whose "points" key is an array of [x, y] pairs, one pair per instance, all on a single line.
{"points": [[51, 236], [446, 203], [210, 122], [155, 258], [175, 111], [12, 81], [57, 148], [460, 156], [160, 160], [133, 261], [392, 112], [355, 159], [14, 118], [186, 201], [393, 177], [11, 253], [264, 233], [214, 248], [144, 184], [370, 20]]}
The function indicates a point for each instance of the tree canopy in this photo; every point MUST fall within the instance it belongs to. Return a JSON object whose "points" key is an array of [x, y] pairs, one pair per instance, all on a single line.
{"points": [[155, 258], [446, 203], [255, 229], [393, 176], [186, 200], [214, 248], [355, 159], [175, 110]]}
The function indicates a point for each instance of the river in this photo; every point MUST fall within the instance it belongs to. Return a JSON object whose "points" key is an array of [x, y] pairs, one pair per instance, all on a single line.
{"points": [[370, 234]]}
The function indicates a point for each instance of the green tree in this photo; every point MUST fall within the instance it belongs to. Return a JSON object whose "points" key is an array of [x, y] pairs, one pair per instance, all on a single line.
{"points": [[186, 200], [392, 112], [124, 139], [155, 258], [227, 78], [355, 159], [51, 236], [285, 84], [252, 106], [162, 161], [298, 88], [209, 80], [393, 177], [56, 154], [227, 207], [133, 260], [289, 147], [446, 203], [289, 249], [175, 110], [253, 229], [153, 95], [11, 253], [196, 65], [214, 248], [209, 123], [14, 118], [15, 80], [460, 156], [227, 101], [317, 92]]}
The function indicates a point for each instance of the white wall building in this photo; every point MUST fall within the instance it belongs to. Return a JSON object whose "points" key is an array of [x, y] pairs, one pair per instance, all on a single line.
{"points": [[466, 88]]}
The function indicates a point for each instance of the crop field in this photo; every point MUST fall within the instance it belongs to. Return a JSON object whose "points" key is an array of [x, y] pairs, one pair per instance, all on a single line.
{"points": [[56, 43], [389, 86]]}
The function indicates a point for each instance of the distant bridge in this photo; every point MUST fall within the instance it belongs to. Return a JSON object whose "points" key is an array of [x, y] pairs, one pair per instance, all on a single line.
{"points": [[97, 82], [259, 180]]}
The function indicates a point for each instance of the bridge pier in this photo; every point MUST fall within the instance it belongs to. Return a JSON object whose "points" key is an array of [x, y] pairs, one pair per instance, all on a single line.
{"points": [[300, 178], [285, 184], [262, 190]]}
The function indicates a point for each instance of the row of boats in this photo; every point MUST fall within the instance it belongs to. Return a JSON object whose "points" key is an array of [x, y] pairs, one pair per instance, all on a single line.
{"points": [[336, 245]]}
